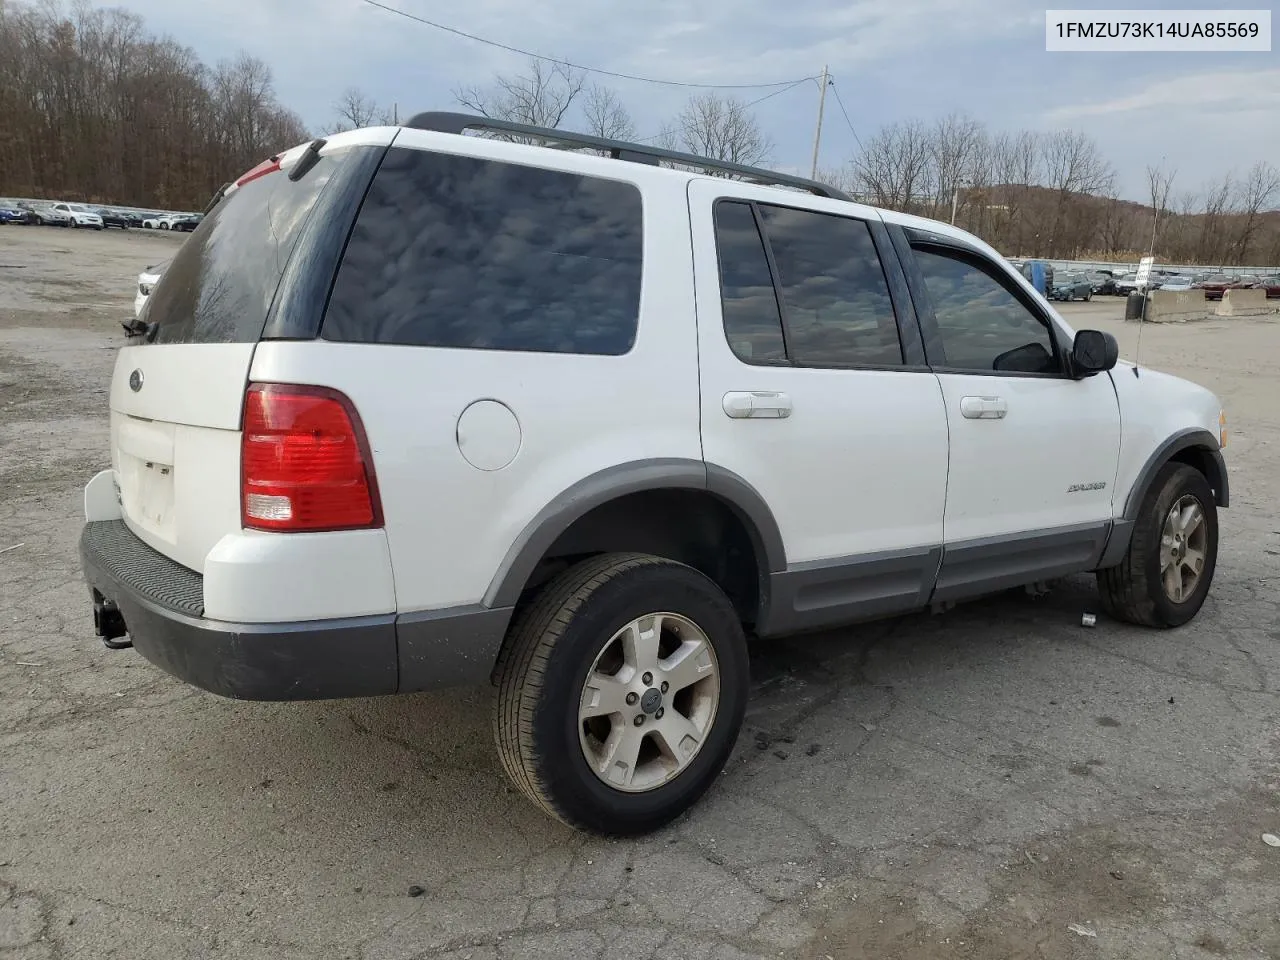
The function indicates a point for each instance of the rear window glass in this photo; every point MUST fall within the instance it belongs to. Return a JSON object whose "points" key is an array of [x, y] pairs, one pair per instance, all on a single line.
{"points": [[219, 285], [452, 251]]}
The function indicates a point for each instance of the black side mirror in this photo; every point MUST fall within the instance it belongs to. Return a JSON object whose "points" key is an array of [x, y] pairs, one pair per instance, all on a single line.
{"points": [[1093, 352], [1029, 358]]}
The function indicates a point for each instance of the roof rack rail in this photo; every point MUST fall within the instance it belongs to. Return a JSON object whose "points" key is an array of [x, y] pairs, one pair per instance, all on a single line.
{"points": [[458, 123]]}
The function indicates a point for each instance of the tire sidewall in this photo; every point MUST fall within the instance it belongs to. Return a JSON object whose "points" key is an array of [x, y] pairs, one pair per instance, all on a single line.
{"points": [[1175, 481], [647, 589]]}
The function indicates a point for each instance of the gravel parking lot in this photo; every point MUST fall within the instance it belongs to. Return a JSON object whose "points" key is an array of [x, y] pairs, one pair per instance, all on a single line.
{"points": [[994, 782]]}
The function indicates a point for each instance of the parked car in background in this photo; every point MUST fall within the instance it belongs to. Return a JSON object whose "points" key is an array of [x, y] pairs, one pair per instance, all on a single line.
{"points": [[1215, 286], [1175, 283], [10, 212], [49, 215], [113, 218], [187, 223], [1269, 284], [1072, 286], [1126, 283], [29, 212], [1104, 283], [157, 221], [77, 215], [147, 281]]}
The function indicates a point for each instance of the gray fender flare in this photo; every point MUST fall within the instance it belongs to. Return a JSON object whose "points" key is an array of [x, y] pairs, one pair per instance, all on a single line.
{"points": [[618, 481], [1192, 438]]}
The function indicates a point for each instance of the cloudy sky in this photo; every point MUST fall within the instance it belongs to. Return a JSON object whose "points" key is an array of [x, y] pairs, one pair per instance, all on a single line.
{"points": [[1206, 113]]}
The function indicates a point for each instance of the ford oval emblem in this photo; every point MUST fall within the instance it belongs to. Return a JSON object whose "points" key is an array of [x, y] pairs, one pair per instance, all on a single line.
{"points": [[135, 381]]}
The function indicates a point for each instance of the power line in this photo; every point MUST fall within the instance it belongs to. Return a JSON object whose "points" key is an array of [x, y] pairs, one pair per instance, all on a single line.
{"points": [[578, 66], [746, 106], [775, 93], [836, 91]]}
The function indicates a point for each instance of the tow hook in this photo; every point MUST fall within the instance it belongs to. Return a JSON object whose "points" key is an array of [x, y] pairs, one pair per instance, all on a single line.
{"points": [[108, 623]]}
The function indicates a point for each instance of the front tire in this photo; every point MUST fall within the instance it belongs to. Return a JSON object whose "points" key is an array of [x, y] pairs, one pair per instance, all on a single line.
{"points": [[1168, 569], [621, 692]]}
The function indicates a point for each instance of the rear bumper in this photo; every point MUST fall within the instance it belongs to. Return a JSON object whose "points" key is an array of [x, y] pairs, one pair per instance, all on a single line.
{"points": [[161, 605]]}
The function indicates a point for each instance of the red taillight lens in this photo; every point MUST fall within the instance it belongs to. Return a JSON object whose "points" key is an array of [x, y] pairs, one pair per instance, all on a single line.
{"points": [[305, 462]]}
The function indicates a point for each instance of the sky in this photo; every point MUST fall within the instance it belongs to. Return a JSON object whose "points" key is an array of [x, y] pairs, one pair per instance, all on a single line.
{"points": [[1202, 113]]}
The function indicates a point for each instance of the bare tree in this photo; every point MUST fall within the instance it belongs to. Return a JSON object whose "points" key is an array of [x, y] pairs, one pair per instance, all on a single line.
{"points": [[978, 208], [540, 96], [951, 147], [722, 128], [355, 109], [1113, 221], [1211, 246], [1018, 171], [894, 167], [606, 115], [1159, 183], [1255, 193], [1074, 166]]}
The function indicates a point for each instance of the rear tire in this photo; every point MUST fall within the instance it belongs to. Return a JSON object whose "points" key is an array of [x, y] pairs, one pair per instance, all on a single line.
{"points": [[561, 704], [1168, 570]]}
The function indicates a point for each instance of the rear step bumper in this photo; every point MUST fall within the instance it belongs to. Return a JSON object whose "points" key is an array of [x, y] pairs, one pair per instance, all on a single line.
{"points": [[160, 603]]}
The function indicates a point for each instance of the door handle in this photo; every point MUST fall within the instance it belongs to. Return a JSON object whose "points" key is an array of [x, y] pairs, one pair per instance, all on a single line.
{"points": [[983, 408], [756, 405]]}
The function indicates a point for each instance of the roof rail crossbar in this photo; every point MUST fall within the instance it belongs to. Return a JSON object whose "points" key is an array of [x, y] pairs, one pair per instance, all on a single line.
{"points": [[459, 123]]}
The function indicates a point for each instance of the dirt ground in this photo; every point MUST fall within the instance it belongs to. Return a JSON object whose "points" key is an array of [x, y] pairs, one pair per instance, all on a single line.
{"points": [[996, 782]]}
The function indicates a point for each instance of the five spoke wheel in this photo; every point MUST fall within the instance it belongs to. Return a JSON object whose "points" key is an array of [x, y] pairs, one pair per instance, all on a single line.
{"points": [[648, 702], [1183, 548]]}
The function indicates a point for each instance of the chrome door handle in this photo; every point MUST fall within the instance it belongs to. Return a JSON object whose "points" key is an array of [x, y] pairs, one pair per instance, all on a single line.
{"points": [[983, 408], [756, 405]]}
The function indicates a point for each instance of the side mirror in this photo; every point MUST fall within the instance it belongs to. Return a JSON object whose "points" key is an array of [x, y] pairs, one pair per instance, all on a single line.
{"points": [[1093, 352]]}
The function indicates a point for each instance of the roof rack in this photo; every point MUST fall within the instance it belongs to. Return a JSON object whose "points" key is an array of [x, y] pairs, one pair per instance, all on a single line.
{"points": [[458, 123]]}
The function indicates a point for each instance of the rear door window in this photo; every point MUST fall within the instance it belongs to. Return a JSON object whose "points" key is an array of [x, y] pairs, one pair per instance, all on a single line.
{"points": [[220, 284], [752, 319], [454, 251], [834, 292]]}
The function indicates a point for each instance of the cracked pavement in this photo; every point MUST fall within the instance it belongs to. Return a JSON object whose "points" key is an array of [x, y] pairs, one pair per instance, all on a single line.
{"points": [[972, 784]]}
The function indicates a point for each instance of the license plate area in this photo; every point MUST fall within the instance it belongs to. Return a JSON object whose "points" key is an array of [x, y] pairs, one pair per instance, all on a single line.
{"points": [[145, 469]]}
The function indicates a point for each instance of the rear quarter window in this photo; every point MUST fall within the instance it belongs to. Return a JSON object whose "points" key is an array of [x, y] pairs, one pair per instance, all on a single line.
{"points": [[453, 251]]}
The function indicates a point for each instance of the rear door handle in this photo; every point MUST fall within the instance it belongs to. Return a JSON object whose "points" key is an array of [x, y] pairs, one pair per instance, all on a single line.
{"points": [[983, 408], [756, 405]]}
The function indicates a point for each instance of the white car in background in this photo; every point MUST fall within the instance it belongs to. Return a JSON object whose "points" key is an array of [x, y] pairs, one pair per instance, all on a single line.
{"points": [[147, 280], [76, 215]]}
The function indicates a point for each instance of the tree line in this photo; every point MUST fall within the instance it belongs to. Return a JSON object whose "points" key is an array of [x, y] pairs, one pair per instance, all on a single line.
{"points": [[95, 108], [1053, 194]]}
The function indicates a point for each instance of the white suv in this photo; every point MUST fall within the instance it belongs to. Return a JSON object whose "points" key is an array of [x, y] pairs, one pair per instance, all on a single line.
{"points": [[76, 215], [413, 408]]}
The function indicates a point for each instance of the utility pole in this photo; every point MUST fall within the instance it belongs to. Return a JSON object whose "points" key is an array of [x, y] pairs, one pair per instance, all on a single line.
{"points": [[817, 136], [955, 198]]}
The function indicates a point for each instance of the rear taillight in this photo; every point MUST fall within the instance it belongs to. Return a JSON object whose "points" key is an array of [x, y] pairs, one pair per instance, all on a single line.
{"points": [[305, 462]]}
